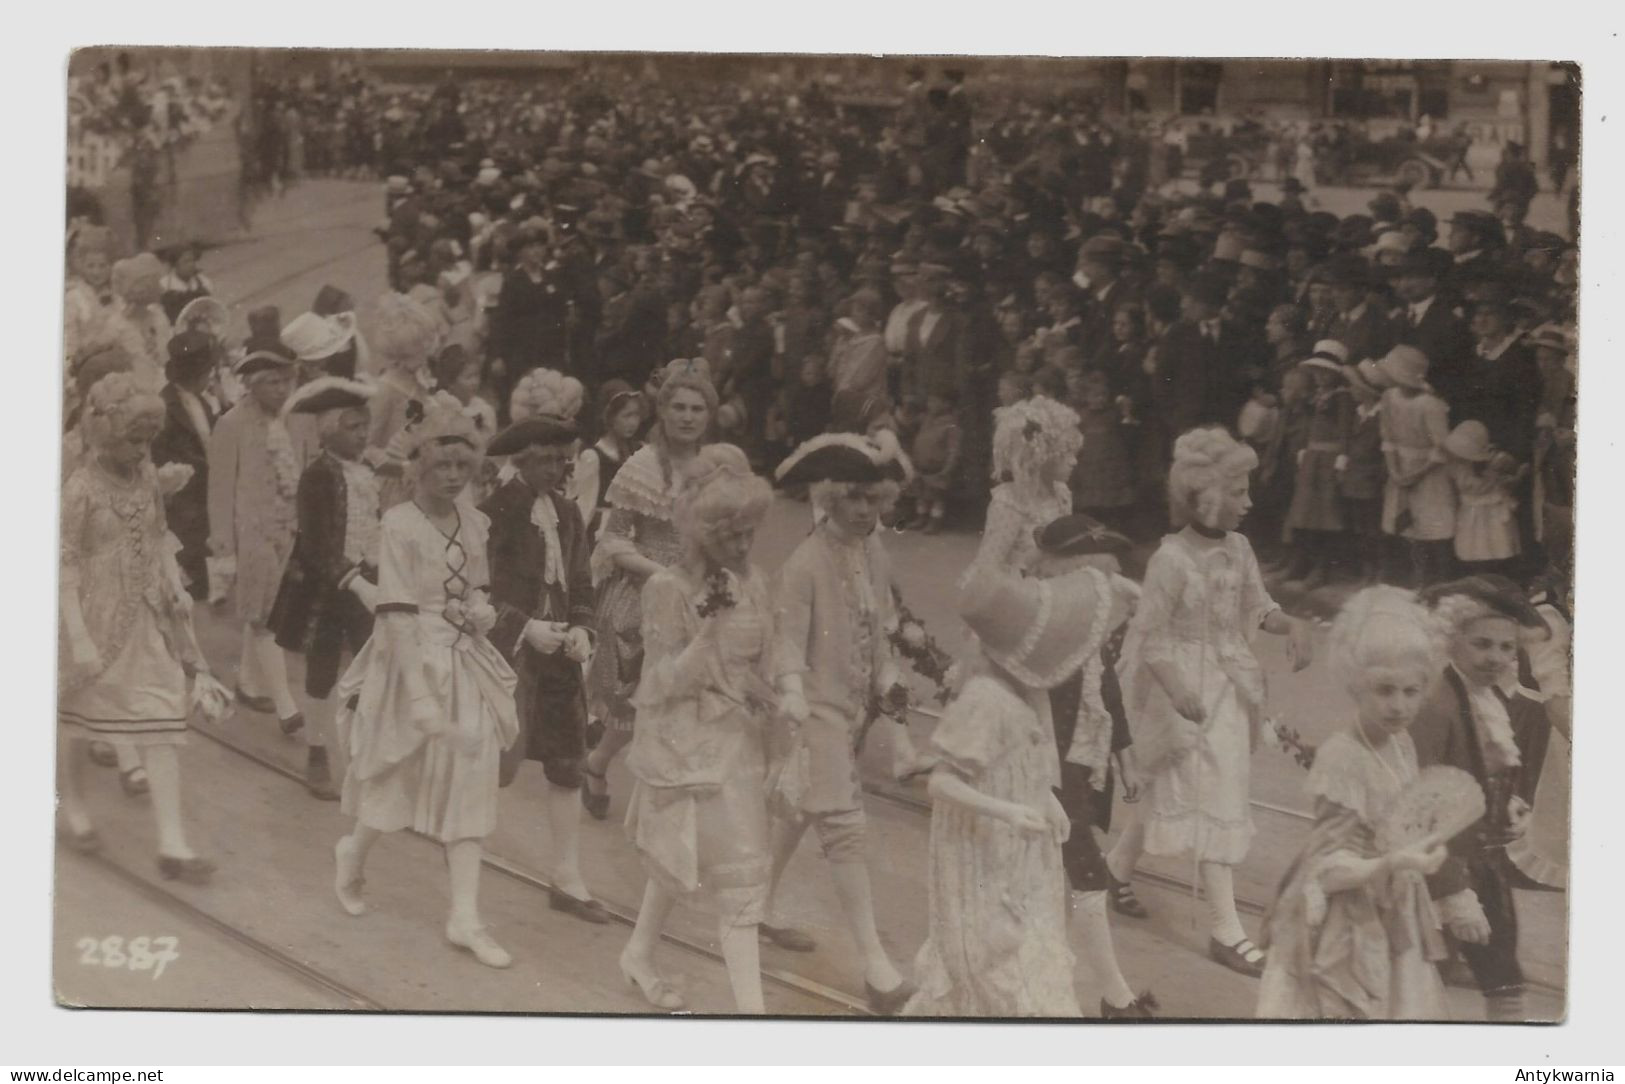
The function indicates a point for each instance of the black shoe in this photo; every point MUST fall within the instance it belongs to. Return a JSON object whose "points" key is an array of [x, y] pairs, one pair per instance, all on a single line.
{"points": [[596, 805], [891, 1002], [319, 776], [1235, 956], [1141, 1008], [1124, 901], [264, 705], [293, 724], [790, 940], [586, 910], [193, 871]]}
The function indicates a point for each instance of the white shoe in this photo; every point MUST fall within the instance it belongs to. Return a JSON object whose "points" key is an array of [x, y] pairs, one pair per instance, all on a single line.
{"points": [[345, 887], [477, 941]]}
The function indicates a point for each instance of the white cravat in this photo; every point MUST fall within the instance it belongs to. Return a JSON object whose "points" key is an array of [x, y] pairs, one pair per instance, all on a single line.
{"points": [[545, 518]]}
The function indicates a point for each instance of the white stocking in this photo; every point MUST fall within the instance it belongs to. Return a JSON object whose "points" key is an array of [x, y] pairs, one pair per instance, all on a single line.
{"points": [[1219, 886], [1099, 955], [272, 671]]}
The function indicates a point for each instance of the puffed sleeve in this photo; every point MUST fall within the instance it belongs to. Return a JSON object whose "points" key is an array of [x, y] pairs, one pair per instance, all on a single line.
{"points": [[968, 738], [1336, 777]]}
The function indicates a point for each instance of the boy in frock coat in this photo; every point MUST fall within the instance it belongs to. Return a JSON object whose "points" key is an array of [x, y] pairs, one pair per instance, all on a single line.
{"points": [[832, 610], [541, 586], [324, 605]]}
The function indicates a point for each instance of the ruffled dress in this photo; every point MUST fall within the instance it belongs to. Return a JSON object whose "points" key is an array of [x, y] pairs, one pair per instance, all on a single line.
{"points": [[1199, 608], [1363, 953], [638, 521], [698, 814], [1012, 517], [118, 558], [996, 940], [433, 702]]}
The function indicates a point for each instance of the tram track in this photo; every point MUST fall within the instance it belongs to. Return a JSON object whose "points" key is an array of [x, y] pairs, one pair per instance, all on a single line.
{"points": [[618, 912]]}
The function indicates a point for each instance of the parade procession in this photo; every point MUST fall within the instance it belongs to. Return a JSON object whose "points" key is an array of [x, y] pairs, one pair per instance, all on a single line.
{"points": [[817, 536]]}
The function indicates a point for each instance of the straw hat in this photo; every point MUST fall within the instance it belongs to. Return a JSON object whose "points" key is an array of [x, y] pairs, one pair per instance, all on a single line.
{"points": [[1470, 441], [1405, 366], [1032, 628], [1329, 355]]}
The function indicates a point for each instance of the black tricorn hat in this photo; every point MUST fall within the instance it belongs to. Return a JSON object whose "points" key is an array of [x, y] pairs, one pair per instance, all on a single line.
{"points": [[1497, 592], [540, 430], [329, 393], [842, 457]]}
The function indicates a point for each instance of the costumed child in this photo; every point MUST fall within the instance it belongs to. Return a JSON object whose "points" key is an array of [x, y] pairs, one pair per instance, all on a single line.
{"points": [[619, 417], [996, 941], [1035, 448], [404, 338], [256, 458], [1542, 853], [541, 585], [1193, 689], [1419, 501], [127, 643], [699, 814], [428, 704], [1352, 934], [638, 540], [1486, 526], [1092, 739], [1480, 720], [1315, 516], [935, 452], [323, 608], [832, 609]]}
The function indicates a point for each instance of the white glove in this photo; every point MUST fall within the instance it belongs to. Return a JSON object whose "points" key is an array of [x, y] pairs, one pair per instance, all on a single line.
{"points": [[544, 637], [481, 614], [366, 592], [793, 703], [1464, 915]]}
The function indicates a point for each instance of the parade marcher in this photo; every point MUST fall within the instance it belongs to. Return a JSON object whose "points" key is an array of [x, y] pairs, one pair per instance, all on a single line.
{"points": [[89, 304], [1092, 740], [127, 637], [996, 940], [256, 458], [404, 339], [1352, 934], [428, 704], [138, 320], [1419, 504], [1193, 689], [638, 540], [184, 438], [1480, 720], [1035, 448], [833, 606], [619, 418], [541, 586], [699, 814], [323, 607]]}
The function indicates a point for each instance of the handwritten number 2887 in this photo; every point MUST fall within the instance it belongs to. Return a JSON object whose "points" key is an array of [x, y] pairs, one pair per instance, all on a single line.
{"points": [[139, 954]]}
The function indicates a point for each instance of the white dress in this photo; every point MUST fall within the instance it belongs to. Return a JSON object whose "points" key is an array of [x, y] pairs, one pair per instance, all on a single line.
{"points": [[996, 943], [1012, 517], [1198, 611], [434, 703]]}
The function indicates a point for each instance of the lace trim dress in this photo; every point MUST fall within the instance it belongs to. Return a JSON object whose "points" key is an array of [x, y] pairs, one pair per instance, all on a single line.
{"points": [[118, 561], [698, 814], [1198, 610], [429, 705], [1012, 517], [1362, 953], [996, 940], [639, 506]]}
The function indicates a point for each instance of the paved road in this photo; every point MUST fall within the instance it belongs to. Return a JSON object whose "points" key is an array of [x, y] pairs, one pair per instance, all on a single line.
{"points": [[274, 843]]}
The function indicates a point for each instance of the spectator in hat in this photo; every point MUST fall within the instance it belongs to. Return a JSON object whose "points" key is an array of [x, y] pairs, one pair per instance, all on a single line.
{"points": [[1362, 326], [1486, 527], [632, 329], [1477, 244], [184, 438], [1101, 262], [1199, 376], [1315, 516], [528, 327], [1501, 385], [256, 457], [935, 356], [1427, 321]]}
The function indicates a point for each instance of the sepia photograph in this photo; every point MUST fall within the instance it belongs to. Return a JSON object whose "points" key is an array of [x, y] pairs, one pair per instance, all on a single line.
{"points": [[845, 536]]}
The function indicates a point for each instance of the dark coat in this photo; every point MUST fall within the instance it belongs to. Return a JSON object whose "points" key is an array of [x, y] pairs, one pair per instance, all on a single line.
{"points": [[1505, 395], [1444, 733], [1199, 381], [1370, 335], [179, 441], [631, 337], [312, 614], [1443, 336], [548, 696], [528, 328], [940, 360]]}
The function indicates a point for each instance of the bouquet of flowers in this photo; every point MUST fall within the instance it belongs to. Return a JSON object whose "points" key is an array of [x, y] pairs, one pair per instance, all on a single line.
{"points": [[719, 594], [1293, 745], [922, 651]]}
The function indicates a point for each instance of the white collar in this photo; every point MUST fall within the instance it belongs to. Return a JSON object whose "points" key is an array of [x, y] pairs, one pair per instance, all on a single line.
{"points": [[1356, 312], [1419, 309], [1500, 348]]}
